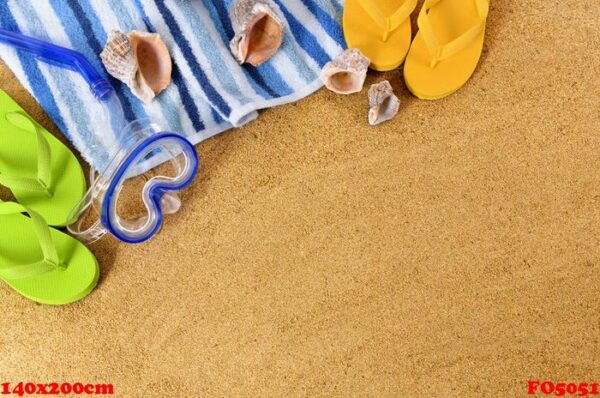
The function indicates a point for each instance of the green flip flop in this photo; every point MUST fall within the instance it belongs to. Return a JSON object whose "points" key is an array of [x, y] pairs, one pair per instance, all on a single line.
{"points": [[41, 263], [40, 171]]}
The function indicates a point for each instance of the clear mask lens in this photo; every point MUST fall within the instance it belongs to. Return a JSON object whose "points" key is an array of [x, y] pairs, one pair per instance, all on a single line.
{"points": [[129, 206]]}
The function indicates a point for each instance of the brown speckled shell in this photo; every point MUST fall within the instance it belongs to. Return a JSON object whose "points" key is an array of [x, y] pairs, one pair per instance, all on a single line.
{"points": [[383, 103]]}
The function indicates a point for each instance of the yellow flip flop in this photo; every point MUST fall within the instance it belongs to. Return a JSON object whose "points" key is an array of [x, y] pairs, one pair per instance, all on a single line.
{"points": [[447, 48], [380, 29]]}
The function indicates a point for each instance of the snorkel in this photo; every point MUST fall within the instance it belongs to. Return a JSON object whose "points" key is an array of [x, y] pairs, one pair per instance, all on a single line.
{"points": [[142, 139]]}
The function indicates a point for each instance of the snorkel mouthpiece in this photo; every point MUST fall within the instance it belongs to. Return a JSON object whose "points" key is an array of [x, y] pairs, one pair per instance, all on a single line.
{"points": [[102, 90], [138, 140]]}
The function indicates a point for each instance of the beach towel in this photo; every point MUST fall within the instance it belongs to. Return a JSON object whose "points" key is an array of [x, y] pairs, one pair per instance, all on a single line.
{"points": [[210, 91]]}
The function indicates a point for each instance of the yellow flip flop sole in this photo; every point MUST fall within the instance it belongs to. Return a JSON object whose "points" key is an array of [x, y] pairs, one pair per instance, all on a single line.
{"points": [[380, 29], [447, 48]]}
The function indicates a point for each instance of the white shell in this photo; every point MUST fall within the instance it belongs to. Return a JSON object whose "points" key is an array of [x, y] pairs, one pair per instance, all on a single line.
{"points": [[347, 73], [139, 59], [258, 31], [384, 105], [118, 57]]}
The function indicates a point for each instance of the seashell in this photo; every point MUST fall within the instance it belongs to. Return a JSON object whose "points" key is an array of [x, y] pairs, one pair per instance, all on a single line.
{"points": [[383, 103], [347, 73], [154, 61], [118, 57], [258, 31], [139, 59]]}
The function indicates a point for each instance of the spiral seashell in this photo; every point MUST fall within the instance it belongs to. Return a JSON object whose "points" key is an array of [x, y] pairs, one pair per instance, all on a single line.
{"points": [[118, 57], [258, 31], [384, 105], [347, 73], [139, 59]]}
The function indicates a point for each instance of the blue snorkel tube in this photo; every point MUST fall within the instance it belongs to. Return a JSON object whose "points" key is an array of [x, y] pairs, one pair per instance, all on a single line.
{"points": [[143, 139], [61, 57]]}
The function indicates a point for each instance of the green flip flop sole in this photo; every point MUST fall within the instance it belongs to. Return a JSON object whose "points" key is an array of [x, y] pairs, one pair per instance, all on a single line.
{"points": [[29, 154], [41, 263]]}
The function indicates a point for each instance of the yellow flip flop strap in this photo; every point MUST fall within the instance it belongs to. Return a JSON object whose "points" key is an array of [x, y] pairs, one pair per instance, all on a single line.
{"points": [[391, 23], [440, 52]]}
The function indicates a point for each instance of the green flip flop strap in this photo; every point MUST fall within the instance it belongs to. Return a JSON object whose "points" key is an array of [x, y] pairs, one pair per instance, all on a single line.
{"points": [[43, 182], [50, 261]]}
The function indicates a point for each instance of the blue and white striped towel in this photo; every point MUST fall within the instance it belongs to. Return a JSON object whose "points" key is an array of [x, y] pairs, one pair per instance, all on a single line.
{"points": [[210, 91]]}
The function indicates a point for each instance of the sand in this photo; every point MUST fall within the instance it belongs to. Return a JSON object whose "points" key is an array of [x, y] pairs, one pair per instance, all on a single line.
{"points": [[451, 252]]}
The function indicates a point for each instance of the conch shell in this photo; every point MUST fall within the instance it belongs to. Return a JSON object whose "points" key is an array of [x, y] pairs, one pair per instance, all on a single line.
{"points": [[258, 31], [383, 103], [347, 73], [139, 59]]}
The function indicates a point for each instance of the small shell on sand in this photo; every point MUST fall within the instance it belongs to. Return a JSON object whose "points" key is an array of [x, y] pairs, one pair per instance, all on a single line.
{"points": [[139, 59], [347, 73], [258, 31], [384, 105]]}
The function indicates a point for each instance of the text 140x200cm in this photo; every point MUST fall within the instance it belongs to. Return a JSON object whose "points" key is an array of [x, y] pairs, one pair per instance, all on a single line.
{"points": [[28, 388]]}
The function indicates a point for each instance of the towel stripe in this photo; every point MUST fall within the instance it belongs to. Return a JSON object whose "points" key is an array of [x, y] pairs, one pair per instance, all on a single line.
{"points": [[338, 7], [213, 96], [131, 102], [89, 27], [188, 80], [188, 102], [207, 53], [75, 94], [210, 91], [114, 13], [330, 25], [207, 16], [37, 82], [304, 37]]}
